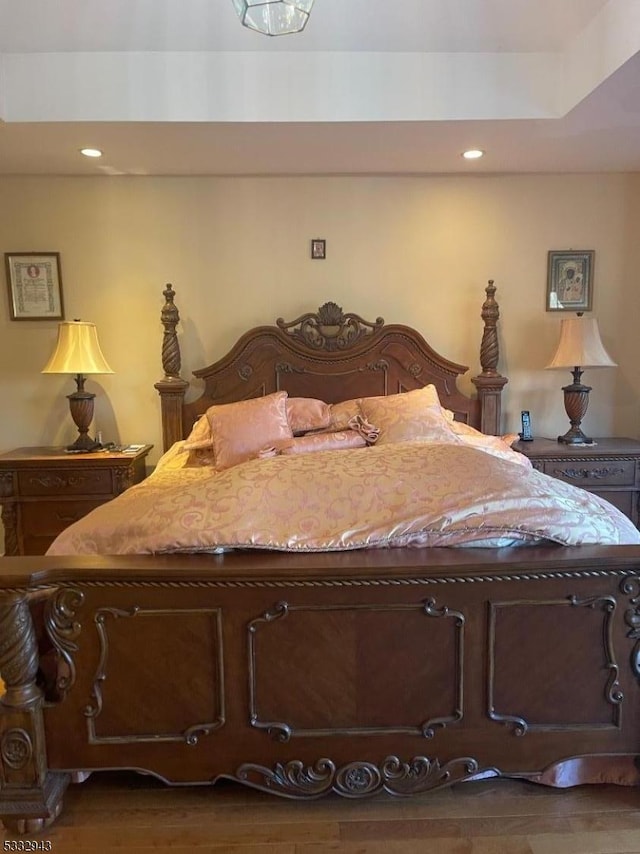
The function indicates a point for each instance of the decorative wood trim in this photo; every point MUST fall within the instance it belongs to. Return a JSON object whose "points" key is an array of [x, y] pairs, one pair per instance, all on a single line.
{"points": [[587, 474], [631, 587], [329, 328], [92, 710], [10, 523], [62, 629], [362, 779], [283, 732], [30, 797], [613, 694], [390, 581], [7, 488]]}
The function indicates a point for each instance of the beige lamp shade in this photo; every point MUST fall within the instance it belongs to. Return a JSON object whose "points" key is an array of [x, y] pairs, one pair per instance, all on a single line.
{"points": [[580, 345], [77, 350]]}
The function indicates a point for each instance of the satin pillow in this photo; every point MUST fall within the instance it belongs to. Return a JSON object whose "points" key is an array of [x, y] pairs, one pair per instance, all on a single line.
{"points": [[200, 436], [340, 414], [323, 442], [409, 416], [307, 413], [240, 430]]}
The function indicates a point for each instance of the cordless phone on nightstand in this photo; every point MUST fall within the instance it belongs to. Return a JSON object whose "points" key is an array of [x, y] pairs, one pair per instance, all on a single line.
{"points": [[525, 435]]}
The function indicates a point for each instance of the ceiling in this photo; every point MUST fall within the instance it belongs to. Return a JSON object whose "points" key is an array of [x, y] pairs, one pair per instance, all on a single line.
{"points": [[179, 87]]}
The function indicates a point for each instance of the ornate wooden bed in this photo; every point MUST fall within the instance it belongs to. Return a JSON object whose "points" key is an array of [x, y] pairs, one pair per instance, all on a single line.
{"points": [[397, 671]]}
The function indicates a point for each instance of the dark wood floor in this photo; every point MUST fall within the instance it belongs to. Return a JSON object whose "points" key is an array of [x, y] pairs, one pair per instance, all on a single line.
{"points": [[130, 813]]}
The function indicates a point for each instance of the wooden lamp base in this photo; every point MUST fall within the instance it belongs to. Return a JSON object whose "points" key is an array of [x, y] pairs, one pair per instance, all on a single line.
{"points": [[81, 406], [576, 401]]}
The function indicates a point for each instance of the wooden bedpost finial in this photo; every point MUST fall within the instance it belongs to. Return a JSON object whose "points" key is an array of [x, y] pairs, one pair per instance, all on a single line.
{"points": [[171, 387], [490, 349], [170, 318], [489, 383]]}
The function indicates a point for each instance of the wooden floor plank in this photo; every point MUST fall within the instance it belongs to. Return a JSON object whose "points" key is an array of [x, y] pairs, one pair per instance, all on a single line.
{"points": [[437, 845], [120, 812], [602, 842]]}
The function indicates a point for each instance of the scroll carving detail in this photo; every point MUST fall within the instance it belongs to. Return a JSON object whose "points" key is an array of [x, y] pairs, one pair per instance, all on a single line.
{"points": [[588, 474], [62, 629], [16, 748], [356, 779], [631, 587], [330, 328], [124, 478], [6, 484]]}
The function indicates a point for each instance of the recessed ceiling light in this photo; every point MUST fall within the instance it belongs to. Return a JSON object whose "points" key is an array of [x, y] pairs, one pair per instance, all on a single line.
{"points": [[472, 154], [91, 152]]}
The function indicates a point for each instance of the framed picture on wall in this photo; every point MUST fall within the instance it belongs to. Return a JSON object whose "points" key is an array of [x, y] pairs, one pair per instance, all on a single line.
{"points": [[35, 285], [570, 280], [318, 249]]}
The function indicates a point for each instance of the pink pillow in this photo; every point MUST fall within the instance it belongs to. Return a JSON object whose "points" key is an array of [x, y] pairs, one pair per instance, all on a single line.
{"points": [[307, 413], [340, 414], [240, 430], [323, 442], [199, 437], [409, 416]]}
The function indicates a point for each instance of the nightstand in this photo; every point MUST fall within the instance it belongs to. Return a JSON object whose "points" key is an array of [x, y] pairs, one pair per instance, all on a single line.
{"points": [[609, 468], [44, 490]]}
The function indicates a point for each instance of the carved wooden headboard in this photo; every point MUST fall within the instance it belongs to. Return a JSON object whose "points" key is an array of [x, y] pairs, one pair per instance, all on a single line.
{"points": [[331, 355]]}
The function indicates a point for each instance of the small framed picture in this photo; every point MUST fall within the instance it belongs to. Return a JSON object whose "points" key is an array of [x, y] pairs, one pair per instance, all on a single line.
{"points": [[35, 285], [318, 249], [570, 280]]}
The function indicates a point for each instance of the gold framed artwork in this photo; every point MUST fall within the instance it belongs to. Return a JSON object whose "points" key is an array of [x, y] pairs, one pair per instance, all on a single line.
{"points": [[34, 281], [570, 280]]}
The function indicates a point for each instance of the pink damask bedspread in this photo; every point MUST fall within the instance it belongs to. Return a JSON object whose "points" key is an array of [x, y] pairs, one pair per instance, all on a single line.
{"points": [[406, 494]]}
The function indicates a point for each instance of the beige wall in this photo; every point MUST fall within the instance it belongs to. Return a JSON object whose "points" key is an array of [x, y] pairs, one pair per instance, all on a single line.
{"points": [[414, 250]]}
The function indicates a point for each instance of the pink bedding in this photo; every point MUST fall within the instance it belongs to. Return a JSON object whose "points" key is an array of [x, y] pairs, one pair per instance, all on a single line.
{"points": [[400, 494]]}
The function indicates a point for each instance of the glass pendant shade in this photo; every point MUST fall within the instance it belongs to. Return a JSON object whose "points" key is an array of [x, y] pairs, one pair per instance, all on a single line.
{"points": [[274, 17]]}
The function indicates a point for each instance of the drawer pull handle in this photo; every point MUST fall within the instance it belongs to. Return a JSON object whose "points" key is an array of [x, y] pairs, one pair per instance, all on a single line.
{"points": [[73, 518], [585, 474]]}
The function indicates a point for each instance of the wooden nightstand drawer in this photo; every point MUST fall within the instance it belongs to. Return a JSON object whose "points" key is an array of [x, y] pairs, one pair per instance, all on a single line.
{"points": [[609, 468], [593, 473], [44, 490], [626, 502], [85, 481], [49, 518]]}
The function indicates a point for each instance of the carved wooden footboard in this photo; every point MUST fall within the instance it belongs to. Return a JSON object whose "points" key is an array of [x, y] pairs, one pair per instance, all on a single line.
{"points": [[354, 673]]}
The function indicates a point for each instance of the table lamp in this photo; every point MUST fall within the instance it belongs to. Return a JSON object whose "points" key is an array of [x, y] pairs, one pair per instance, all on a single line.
{"points": [[78, 352], [579, 347]]}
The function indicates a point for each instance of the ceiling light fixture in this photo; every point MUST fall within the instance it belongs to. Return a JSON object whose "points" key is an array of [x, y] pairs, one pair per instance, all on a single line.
{"points": [[473, 154], [274, 17], [91, 152]]}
